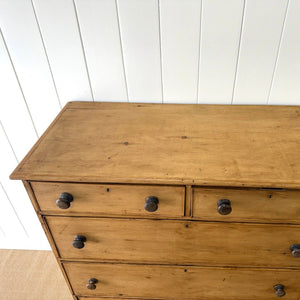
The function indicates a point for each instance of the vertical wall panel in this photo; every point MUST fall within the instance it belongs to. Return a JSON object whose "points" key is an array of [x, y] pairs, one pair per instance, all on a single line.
{"points": [[19, 198], [139, 25], [24, 43], [13, 234], [63, 45], [98, 22], [285, 89], [136, 50], [219, 44], [14, 114], [180, 31], [261, 34]]}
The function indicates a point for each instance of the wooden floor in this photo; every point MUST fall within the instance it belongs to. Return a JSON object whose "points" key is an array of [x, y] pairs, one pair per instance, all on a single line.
{"points": [[31, 275]]}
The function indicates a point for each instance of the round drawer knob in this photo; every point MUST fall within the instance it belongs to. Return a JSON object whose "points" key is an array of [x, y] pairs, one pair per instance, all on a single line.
{"points": [[79, 241], [279, 290], [151, 204], [295, 249], [92, 283], [63, 202], [224, 207]]}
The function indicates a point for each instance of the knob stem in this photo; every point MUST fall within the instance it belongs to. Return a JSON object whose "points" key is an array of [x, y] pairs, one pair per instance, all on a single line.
{"points": [[92, 283], [279, 290]]}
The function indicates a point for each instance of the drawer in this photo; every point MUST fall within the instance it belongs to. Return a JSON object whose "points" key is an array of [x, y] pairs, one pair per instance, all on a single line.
{"points": [[248, 205], [177, 242], [178, 282], [104, 199]]}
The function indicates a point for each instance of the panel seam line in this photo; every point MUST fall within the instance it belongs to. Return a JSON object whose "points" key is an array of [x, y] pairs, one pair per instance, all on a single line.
{"points": [[13, 208], [83, 50], [239, 52], [278, 51], [122, 51], [199, 50], [19, 84], [160, 52], [46, 54]]}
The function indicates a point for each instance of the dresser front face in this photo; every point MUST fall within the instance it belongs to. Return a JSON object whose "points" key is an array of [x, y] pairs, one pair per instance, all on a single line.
{"points": [[181, 202]]}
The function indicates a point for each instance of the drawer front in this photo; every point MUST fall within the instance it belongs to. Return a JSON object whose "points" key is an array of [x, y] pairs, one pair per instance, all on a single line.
{"points": [[103, 199], [177, 242], [177, 282], [247, 205]]}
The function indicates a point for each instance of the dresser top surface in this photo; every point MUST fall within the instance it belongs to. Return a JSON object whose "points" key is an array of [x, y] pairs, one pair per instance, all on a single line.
{"points": [[217, 145]]}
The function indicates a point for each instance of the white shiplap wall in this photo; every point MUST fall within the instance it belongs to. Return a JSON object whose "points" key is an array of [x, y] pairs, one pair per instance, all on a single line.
{"points": [[170, 51]]}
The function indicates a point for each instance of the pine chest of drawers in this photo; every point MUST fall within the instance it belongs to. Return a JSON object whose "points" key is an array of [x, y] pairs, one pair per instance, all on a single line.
{"points": [[151, 201]]}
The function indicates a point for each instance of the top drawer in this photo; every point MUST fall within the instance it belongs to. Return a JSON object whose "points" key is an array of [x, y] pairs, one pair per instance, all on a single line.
{"points": [[104, 199], [247, 205]]}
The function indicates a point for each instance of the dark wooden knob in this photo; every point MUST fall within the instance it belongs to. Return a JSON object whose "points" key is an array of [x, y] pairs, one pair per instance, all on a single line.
{"points": [[79, 241], [279, 290], [224, 207], [63, 202], [92, 284], [295, 249], [151, 204]]}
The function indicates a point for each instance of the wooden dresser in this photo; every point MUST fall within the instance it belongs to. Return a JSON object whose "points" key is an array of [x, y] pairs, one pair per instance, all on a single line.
{"points": [[152, 201]]}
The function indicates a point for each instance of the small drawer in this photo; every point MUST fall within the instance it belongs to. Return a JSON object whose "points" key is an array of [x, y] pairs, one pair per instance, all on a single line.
{"points": [[181, 282], [246, 205], [176, 242], [105, 199]]}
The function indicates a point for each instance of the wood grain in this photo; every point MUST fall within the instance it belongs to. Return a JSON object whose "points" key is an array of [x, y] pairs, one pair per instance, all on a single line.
{"points": [[188, 200], [31, 275], [248, 205], [110, 199], [172, 282], [177, 242], [105, 298], [166, 144]]}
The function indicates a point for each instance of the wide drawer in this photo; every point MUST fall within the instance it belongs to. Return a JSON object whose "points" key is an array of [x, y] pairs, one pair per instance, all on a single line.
{"points": [[177, 242], [248, 205], [179, 282], [104, 199]]}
